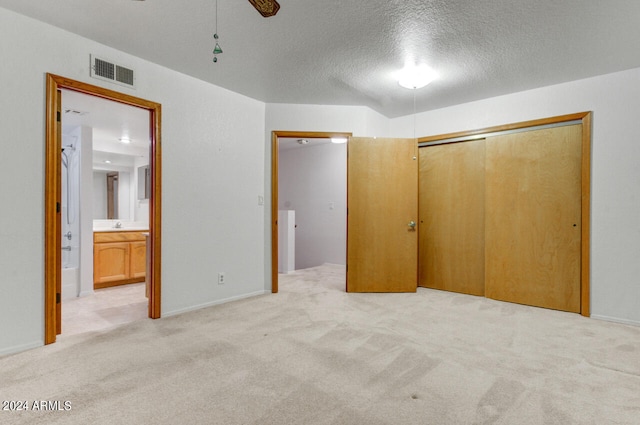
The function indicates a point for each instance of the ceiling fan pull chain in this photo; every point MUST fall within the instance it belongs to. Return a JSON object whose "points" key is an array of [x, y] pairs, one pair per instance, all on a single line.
{"points": [[217, 49]]}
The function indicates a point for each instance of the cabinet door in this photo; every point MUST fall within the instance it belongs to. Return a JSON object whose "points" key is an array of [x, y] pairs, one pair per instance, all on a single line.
{"points": [[138, 267], [110, 262]]}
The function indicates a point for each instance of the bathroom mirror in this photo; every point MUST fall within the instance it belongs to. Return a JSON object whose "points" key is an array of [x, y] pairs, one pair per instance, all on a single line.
{"points": [[111, 194], [144, 182]]}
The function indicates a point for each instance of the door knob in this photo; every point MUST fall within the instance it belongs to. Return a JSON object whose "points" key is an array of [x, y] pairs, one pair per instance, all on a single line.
{"points": [[412, 224]]}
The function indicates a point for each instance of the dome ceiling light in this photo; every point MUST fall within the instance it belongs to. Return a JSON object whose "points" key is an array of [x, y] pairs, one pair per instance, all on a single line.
{"points": [[414, 76]]}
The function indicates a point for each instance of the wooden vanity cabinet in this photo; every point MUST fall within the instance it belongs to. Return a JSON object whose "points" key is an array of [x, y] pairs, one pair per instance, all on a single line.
{"points": [[118, 258], [138, 260]]}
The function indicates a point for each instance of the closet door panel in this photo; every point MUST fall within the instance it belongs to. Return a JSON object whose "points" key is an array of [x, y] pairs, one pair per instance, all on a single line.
{"points": [[452, 196], [533, 213]]}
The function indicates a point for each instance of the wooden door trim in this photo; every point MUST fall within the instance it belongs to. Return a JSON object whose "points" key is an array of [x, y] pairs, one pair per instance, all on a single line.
{"points": [[585, 258], [586, 119], [52, 171], [580, 116], [275, 135]]}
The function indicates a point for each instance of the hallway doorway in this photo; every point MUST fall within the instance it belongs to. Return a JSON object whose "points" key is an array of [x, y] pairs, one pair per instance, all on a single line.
{"points": [[276, 139]]}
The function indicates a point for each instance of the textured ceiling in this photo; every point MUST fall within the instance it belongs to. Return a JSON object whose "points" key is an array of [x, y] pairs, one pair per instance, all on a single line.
{"points": [[345, 52]]}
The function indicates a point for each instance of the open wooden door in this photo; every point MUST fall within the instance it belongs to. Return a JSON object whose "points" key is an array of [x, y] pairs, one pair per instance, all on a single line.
{"points": [[382, 215]]}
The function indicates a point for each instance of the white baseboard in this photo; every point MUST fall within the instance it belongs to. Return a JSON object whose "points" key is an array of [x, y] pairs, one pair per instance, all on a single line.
{"points": [[212, 303], [20, 348], [615, 320]]}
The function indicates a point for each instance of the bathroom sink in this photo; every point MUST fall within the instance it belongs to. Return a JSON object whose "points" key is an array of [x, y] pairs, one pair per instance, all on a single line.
{"points": [[105, 226]]}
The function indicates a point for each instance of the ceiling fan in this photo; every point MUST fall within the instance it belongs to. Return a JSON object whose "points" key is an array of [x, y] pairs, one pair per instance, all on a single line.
{"points": [[265, 7]]}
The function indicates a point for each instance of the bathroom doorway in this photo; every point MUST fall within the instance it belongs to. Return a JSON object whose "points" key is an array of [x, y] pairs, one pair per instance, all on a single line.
{"points": [[70, 131], [105, 152]]}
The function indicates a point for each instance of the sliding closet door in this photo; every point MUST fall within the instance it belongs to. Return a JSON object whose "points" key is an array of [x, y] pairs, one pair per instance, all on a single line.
{"points": [[452, 196], [382, 211], [533, 217]]}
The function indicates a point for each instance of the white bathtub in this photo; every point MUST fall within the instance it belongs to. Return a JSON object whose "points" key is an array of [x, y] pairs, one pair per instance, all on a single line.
{"points": [[70, 282]]}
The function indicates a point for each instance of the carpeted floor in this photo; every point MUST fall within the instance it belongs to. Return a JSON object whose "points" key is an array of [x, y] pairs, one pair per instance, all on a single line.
{"points": [[313, 354]]}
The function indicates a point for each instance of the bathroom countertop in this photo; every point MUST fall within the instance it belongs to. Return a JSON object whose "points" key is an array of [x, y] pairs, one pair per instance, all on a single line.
{"points": [[120, 229]]}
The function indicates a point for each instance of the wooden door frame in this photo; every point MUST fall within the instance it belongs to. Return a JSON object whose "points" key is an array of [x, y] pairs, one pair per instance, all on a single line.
{"points": [[53, 159], [275, 135], [585, 248]]}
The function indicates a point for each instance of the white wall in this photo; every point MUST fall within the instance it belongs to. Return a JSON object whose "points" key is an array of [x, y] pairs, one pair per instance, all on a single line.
{"points": [[313, 181], [124, 194], [615, 176], [212, 174], [359, 120], [86, 213]]}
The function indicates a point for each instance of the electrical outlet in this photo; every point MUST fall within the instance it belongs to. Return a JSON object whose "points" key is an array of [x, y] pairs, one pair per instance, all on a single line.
{"points": [[221, 278]]}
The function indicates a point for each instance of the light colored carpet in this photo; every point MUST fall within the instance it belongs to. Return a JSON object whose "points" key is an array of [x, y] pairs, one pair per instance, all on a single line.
{"points": [[313, 354]]}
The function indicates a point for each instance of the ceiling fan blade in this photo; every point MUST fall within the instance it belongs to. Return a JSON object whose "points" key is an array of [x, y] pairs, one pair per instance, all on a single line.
{"points": [[266, 7]]}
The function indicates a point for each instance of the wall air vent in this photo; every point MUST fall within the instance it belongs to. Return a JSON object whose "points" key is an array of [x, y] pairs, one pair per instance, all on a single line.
{"points": [[106, 70], [124, 75]]}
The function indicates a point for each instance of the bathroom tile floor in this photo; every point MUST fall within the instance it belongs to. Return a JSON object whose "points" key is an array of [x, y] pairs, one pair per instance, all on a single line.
{"points": [[104, 309]]}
